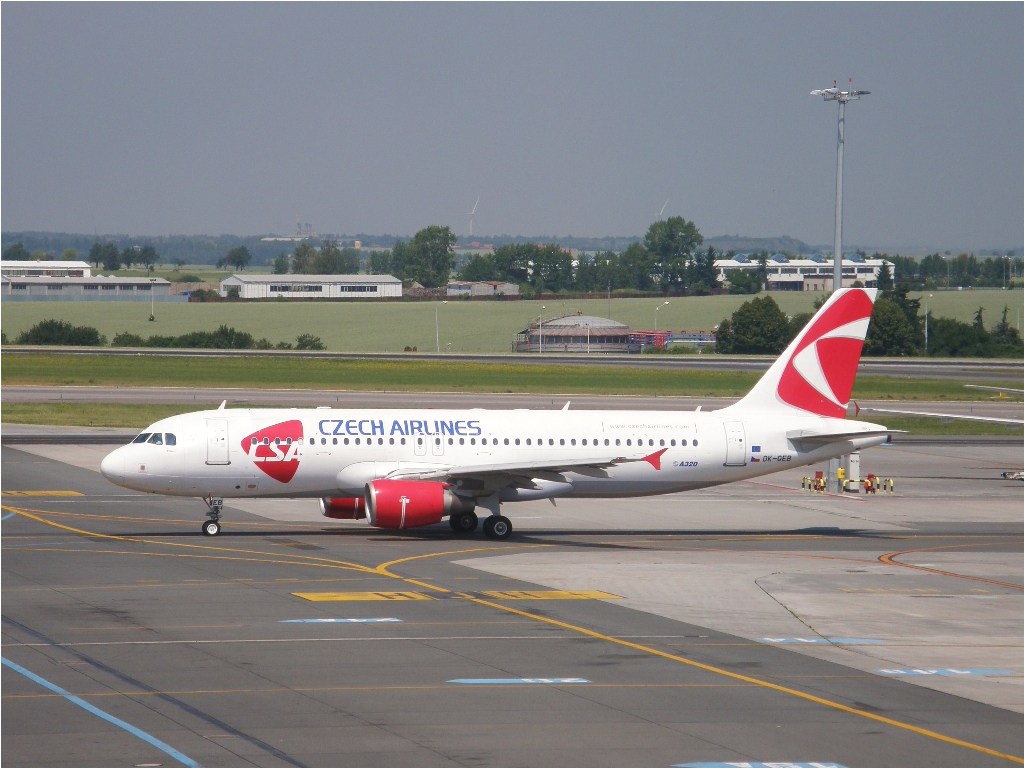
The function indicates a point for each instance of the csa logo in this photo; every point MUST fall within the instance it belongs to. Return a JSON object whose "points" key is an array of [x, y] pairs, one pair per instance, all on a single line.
{"points": [[276, 449], [819, 376]]}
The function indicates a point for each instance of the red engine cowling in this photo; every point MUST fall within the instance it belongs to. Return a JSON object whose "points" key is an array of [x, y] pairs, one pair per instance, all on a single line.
{"points": [[344, 508], [411, 503]]}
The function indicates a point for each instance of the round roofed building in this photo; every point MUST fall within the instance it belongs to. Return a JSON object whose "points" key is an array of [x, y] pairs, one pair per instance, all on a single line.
{"points": [[573, 333]]}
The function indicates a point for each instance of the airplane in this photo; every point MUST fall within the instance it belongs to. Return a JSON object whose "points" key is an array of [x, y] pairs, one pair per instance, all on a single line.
{"points": [[408, 468]]}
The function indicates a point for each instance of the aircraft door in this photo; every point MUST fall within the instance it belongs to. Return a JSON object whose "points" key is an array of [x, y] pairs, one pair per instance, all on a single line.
{"points": [[735, 444], [217, 441], [437, 445], [420, 446]]}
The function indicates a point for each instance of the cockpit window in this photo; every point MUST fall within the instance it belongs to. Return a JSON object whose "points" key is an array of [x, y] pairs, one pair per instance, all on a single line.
{"points": [[142, 438], [170, 439], [156, 438]]}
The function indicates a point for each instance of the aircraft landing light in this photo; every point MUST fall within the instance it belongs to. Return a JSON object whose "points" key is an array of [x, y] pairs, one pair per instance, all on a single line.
{"points": [[531, 594]]}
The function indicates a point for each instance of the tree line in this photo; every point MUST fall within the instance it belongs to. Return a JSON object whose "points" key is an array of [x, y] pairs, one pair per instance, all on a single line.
{"points": [[897, 329], [62, 333]]}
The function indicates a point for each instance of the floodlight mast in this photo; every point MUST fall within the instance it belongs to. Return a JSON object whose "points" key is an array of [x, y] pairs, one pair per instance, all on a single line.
{"points": [[834, 94]]}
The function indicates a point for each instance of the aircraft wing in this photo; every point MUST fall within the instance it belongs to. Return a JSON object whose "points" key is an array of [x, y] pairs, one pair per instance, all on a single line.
{"points": [[530, 468]]}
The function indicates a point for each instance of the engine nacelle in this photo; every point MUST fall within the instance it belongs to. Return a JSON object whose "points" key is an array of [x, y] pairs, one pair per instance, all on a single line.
{"points": [[411, 503], [343, 508]]}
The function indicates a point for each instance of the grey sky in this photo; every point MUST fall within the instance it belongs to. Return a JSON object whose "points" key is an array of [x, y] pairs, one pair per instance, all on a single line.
{"points": [[579, 118]]}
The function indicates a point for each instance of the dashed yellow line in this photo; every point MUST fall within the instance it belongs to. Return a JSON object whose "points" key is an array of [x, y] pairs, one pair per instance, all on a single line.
{"points": [[343, 597]]}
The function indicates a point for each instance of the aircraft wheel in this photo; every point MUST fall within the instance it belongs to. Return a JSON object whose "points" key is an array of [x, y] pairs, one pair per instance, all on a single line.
{"points": [[497, 527], [211, 528], [464, 523]]}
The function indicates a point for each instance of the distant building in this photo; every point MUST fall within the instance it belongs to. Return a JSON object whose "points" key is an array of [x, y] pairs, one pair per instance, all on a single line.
{"points": [[574, 333], [87, 289], [312, 286], [460, 288], [45, 269], [812, 274]]}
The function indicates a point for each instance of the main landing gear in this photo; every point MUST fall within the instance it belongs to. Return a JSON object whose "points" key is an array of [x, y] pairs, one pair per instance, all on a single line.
{"points": [[214, 506], [495, 526]]}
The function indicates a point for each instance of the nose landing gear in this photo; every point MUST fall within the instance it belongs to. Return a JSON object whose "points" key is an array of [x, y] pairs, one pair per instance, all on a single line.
{"points": [[214, 505]]}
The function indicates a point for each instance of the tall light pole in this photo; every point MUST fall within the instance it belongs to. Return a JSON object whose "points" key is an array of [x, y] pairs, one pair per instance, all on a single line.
{"points": [[664, 304], [540, 329], [834, 94], [437, 327], [927, 312]]}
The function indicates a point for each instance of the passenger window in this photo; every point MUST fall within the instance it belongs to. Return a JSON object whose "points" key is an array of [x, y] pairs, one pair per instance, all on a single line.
{"points": [[142, 438]]}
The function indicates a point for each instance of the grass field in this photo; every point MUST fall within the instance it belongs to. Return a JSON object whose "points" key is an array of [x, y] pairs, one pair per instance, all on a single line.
{"points": [[462, 326], [295, 372]]}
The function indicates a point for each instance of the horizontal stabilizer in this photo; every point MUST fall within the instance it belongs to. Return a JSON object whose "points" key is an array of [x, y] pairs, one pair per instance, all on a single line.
{"points": [[812, 436]]}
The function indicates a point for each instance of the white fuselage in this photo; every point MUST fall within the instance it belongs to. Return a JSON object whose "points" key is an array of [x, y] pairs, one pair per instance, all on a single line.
{"points": [[335, 452]]}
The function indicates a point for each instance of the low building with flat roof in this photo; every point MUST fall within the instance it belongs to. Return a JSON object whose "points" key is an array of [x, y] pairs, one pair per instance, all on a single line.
{"points": [[812, 274], [87, 289], [45, 269], [312, 287], [463, 288]]}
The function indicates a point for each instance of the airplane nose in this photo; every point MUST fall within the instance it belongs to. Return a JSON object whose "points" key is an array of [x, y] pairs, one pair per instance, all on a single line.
{"points": [[112, 466]]}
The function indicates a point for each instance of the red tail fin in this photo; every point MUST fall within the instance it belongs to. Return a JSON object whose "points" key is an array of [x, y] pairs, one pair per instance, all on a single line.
{"points": [[816, 372]]}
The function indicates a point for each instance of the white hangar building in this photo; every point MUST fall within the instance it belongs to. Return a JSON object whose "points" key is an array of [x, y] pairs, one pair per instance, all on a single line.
{"points": [[312, 287]]}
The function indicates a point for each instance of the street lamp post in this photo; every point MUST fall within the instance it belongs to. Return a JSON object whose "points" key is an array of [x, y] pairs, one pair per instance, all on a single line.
{"points": [[437, 327], [540, 329], [656, 313], [926, 313], [834, 94]]}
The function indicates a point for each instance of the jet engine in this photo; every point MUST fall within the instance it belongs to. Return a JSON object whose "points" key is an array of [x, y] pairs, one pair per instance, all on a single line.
{"points": [[412, 503], [343, 508]]}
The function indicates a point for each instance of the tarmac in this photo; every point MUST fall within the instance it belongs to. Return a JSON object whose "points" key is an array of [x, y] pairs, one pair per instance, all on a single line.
{"points": [[755, 623]]}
